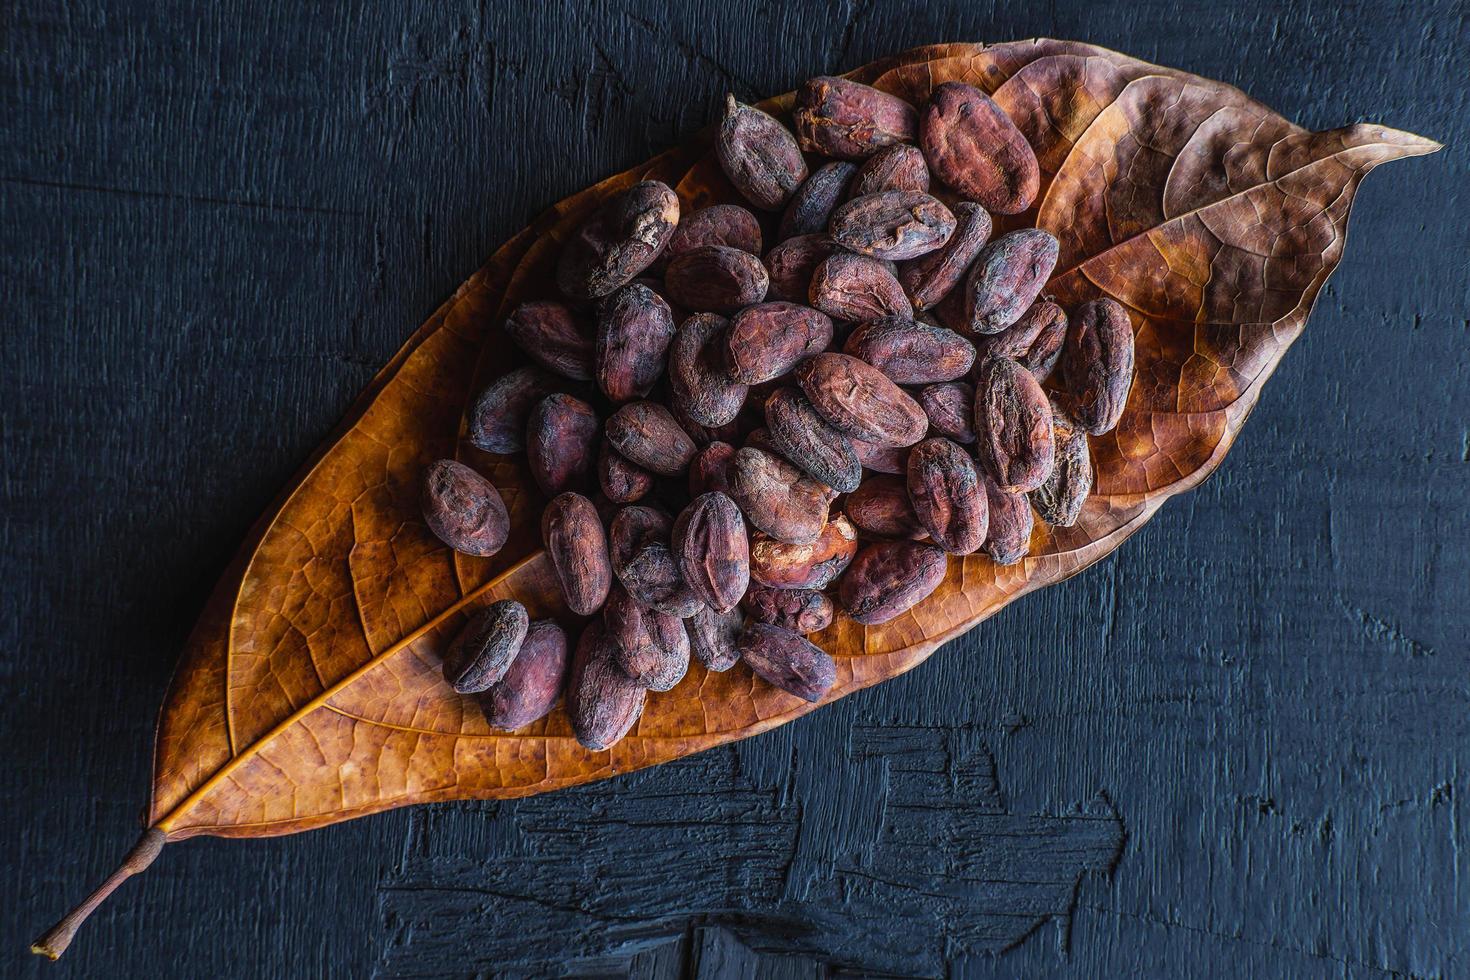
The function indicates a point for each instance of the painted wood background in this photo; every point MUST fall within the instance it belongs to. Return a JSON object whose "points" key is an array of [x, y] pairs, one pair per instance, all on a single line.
{"points": [[1241, 746]]}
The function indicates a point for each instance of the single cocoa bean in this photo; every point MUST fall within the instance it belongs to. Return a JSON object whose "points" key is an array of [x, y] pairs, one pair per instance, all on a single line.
{"points": [[792, 263], [857, 288], [881, 506], [699, 377], [713, 551], [711, 469], [716, 279], [767, 340], [899, 167], [1009, 537], [777, 497], [805, 438], [910, 352], [622, 480], [893, 225], [554, 337], [618, 241], [648, 434], [859, 400], [812, 205], [778, 565], [950, 408], [482, 651], [797, 610], [714, 637], [652, 577], [1059, 500], [881, 459], [1035, 340], [888, 579], [603, 703], [634, 328], [1006, 277], [720, 224], [787, 660], [632, 528], [1013, 426], [1097, 364], [572, 532], [561, 444], [947, 495], [463, 509], [497, 419], [651, 647], [975, 148], [533, 683], [848, 120], [928, 279], [759, 155]]}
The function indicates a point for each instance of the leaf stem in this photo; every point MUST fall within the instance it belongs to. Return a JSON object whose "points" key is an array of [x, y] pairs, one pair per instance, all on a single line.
{"points": [[55, 940]]}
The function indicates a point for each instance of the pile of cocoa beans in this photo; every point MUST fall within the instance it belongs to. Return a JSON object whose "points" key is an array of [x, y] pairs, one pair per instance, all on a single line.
{"points": [[749, 420]]}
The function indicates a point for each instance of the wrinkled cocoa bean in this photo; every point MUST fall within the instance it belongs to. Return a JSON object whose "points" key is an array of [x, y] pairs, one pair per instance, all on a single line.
{"points": [[888, 579], [910, 352], [711, 469], [1009, 537], [703, 435], [1006, 277], [716, 279], [792, 263], [797, 610], [779, 565], [618, 241], [975, 148], [603, 703], [947, 495], [806, 439], [572, 532], [533, 683], [812, 205], [767, 340], [881, 459], [652, 577], [714, 637], [950, 408], [859, 400], [463, 509], [634, 327], [720, 224], [787, 660], [561, 444], [759, 155], [899, 167], [1097, 364], [777, 497], [848, 120], [699, 377], [713, 550], [1013, 426], [1035, 340], [893, 225], [854, 287], [497, 420], [1059, 500], [632, 528], [651, 647], [930, 278], [881, 506], [622, 480], [648, 434], [554, 337], [482, 651]]}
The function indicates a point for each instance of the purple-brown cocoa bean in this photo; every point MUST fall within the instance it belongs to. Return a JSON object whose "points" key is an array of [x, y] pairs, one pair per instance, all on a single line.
{"points": [[483, 649], [1035, 340], [812, 205], [930, 278], [778, 565], [711, 469], [463, 509], [975, 148], [787, 660], [634, 328], [618, 241], [759, 155], [881, 506], [603, 703], [950, 408], [1006, 277], [860, 401], [947, 495], [777, 497], [652, 577], [811, 442], [853, 287], [716, 279], [1097, 364], [910, 352], [497, 419], [792, 263], [797, 610], [1013, 426], [899, 167], [650, 436], [651, 647], [554, 337], [577, 546], [714, 637], [533, 683], [881, 459], [703, 435], [699, 377], [720, 224], [561, 444], [1009, 537], [888, 579], [893, 225], [767, 340], [622, 480], [1059, 500], [713, 550], [848, 120], [632, 528]]}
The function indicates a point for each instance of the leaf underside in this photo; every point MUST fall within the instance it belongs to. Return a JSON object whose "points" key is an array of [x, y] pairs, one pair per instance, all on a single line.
{"points": [[310, 690]]}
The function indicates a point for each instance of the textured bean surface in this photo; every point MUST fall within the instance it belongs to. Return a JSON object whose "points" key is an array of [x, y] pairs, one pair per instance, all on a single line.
{"points": [[497, 419], [1013, 426], [759, 155], [881, 507], [618, 241], [713, 550], [888, 579], [976, 149], [909, 352], [482, 651], [650, 436], [849, 120], [812, 205], [947, 495], [533, 683], [634, 327], [798, 610], [815, 565], [554, 337], [561, 444], [1006, 278], [777, 497], [602, 701], [892, 225], [463, 509], [572, 533], [787, 660], [858, 399], [805, 438], [716, 279], [699, 376], [857, 288], [930, 278], [767, 340]]}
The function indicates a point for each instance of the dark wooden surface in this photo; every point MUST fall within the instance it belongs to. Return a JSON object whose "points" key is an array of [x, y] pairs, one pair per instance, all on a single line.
{"points": [[1239, 747]]}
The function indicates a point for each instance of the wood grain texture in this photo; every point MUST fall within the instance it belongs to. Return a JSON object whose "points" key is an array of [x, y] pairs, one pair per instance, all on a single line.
{"points": [[1114, 706]]}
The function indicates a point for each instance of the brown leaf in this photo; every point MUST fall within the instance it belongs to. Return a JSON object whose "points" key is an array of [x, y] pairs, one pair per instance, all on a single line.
{"points": [[311, 691]]}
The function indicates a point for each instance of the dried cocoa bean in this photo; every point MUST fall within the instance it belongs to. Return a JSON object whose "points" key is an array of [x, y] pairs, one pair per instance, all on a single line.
{"points": [[711, 469], [1009, 537], [703, 435], [652, 577], [634, 328], [463, 509], [859, 400], [720, 224], [618, 241], [857, 288], [622, 480], [716, 279], [1059, 500], [572, 532], [561, 444], [759, 155], [899, 167], [797, 610], [777, 497], [1097, 364], [910, 352], [779, 565], [792, 263], [767, 340], [950, 311], [713, 551], [803, 437], [533, 683], [1013, 426], [888, 579], [497, 420], [812, 205], [930, 278], [699, 377], [651, 647], [787, 660], [554, 337], [1035, 340], [603, 703], [881, 459], [893, 225], [950, 408], [482, 651], [648, 434], [632, 528], [975, 148], [848, 120], [881, 506], [714, 637], [1006, 277], [947, 495]]}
